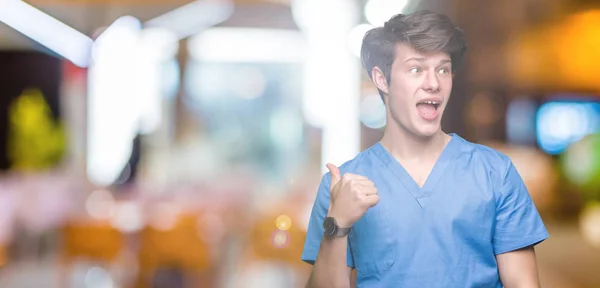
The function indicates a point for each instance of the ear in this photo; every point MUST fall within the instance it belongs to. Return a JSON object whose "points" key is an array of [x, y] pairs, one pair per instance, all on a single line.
{"points": [[379, 79]]}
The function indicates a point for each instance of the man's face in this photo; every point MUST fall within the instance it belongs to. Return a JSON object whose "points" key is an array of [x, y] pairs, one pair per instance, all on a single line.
{"points": [[419, 90]]}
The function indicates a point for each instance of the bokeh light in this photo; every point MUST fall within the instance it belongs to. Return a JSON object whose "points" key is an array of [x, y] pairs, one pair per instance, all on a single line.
{"points": [[164, 216], [280, 239], [561, 123], [372, 112], [97, 277], [128, 217], [581, 163], [590, 223], [100, 205], [283, 222]]}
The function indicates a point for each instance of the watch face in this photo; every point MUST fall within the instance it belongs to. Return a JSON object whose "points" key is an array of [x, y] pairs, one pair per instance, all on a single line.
{"points": [[329, 226]]}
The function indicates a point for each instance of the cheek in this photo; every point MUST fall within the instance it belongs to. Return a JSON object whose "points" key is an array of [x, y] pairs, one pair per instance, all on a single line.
{"points": [[402, 95], [405, 82], [448, 83], [399, 106], [404, 87]]}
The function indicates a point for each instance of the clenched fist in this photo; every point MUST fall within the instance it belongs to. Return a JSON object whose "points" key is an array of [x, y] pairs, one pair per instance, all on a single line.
{"points": [[350, 196]]}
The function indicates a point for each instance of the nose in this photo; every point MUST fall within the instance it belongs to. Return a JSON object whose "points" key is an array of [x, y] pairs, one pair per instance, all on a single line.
{"points": [[431, 83]]}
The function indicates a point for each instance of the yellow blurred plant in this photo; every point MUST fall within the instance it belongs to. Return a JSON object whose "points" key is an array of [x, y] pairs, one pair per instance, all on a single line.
{"points": [[35, 140]]}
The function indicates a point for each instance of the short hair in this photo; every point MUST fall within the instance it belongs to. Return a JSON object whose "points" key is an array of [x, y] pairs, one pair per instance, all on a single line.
{"points": [[424, 31]]}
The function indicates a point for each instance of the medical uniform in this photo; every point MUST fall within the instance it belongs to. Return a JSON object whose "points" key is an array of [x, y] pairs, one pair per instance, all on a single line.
{"points": [[473, 206]]}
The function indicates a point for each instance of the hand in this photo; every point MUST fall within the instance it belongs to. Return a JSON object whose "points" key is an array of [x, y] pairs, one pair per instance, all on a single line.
{"points": [[350, 196]]}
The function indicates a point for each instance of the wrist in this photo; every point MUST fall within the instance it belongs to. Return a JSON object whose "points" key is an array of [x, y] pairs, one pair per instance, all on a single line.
{"points": [[340, 221], [332, 229]]}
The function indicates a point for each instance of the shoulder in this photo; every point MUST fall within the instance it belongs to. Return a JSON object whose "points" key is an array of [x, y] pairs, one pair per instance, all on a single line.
{"points": [[491, 164], [364, 161], [484, 156]]}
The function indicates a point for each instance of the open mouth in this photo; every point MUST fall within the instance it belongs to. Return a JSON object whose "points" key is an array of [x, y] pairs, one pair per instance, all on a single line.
{"points": [[428, 109], [434, 104]]}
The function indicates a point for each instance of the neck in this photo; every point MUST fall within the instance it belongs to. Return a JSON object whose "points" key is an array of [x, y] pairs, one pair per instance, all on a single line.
{"points": [[404, 145]]}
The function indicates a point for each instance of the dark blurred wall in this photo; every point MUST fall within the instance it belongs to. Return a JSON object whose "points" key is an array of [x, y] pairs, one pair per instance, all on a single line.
{"points": [[20, 70]]}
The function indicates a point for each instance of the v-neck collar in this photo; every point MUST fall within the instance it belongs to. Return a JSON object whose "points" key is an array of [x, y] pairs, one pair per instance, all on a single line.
{"points": [[421, 194]]}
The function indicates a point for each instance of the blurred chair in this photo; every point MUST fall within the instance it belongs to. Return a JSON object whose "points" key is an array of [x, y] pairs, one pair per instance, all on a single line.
{"points": [[175, 257], [95, 241]]}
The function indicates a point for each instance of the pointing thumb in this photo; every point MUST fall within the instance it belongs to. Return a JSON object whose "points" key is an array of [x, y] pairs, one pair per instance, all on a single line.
{"points": [[335, 175]]}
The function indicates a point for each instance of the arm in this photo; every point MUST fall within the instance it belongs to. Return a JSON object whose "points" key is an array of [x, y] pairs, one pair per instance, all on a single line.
{"points": [[351, 196], [330, 269], [518, 229], [518, 269], [331, 259]]}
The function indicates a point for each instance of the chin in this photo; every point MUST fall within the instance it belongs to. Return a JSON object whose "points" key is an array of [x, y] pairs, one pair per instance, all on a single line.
{"points": [[427, 130]]}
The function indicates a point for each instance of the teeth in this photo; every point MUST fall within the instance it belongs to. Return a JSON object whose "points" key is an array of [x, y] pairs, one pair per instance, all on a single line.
{"points": [[430, 102]]}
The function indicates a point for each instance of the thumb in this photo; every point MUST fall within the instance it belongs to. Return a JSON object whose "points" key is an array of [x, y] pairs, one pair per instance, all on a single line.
{"points": [[335, 175]]}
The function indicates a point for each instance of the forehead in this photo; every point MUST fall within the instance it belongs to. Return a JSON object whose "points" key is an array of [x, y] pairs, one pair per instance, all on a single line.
{"points": [[405, 53]]}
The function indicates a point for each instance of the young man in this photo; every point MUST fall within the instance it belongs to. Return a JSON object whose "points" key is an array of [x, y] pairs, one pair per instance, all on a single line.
{"points": [[421, 208]]}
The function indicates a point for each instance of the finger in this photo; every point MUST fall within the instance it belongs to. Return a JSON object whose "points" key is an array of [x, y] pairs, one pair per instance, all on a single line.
{"points": [[363, 183], [372, 200], [369, 191], [335, 175], [350, 176]]}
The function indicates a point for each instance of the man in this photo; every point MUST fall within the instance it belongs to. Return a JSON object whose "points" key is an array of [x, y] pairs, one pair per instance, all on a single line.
{"points": [[421, 208]]}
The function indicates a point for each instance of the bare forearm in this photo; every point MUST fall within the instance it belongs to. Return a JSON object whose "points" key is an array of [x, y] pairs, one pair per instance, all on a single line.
{"points": [[330, 269], [518, 269], [528, 279], [525, 283]]}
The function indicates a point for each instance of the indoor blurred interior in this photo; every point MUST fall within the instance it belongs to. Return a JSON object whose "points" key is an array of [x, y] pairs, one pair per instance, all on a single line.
{"points": [[178, 143]]}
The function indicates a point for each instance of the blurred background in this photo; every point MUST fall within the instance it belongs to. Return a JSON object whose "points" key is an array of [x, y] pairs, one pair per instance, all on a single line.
{"points": [[181, 143]]}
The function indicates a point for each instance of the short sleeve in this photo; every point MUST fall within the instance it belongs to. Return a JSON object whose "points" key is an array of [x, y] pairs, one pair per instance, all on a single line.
{"points": [[518, 223], [314, 233]]}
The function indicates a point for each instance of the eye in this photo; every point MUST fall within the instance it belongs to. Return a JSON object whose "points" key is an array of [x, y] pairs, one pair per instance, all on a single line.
{"points": [[444, 70], [414, 70]]}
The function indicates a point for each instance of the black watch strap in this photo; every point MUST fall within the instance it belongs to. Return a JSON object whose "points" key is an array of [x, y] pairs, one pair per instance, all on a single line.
{"points": [[342, 232], [331, 228]]}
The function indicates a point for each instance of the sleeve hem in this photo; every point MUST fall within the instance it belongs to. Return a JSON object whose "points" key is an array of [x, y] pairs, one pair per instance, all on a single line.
{"points": [[531, 241], [308, 260], [311, 260], [309, 257]]}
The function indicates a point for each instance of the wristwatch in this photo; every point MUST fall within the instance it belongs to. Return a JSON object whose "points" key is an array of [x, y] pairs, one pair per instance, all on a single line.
{"points": [[331, 228]]}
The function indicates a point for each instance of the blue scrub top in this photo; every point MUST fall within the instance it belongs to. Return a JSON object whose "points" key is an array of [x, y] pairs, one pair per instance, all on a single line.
{"points": [[473, 206]]}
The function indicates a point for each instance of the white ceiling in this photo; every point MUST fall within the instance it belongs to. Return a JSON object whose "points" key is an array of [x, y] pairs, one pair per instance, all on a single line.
{"points": [[89, 18], [85, 18]]}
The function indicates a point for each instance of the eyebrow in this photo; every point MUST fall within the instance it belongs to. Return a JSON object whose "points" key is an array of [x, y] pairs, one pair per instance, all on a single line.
{"points": [[422, 59]]}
